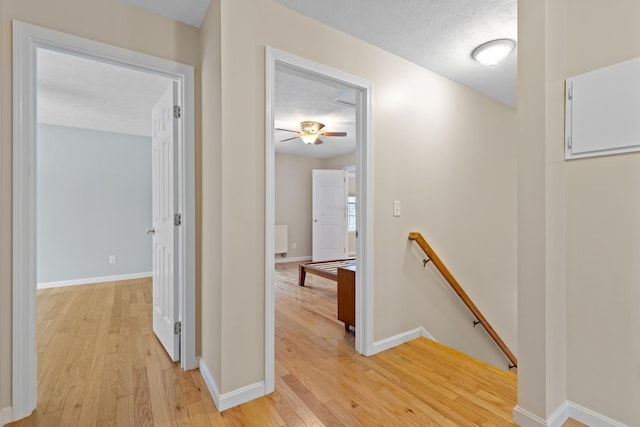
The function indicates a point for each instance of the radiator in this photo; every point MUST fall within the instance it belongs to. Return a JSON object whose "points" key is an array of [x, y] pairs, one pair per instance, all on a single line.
{"points": [[282, 240]]}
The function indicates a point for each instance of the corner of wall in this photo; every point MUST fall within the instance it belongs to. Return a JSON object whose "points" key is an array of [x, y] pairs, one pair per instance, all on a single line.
{"points": [[399, 339], [566, 410], [524, 418], [6, 415], [214, 391], [233, 398]]}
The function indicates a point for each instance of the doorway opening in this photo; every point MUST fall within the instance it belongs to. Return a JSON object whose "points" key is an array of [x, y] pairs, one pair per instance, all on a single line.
{"points": [[28, 41], [358, 94]]}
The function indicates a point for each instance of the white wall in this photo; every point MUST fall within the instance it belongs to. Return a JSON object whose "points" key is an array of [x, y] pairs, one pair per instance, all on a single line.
{"points": [[94, 200]]}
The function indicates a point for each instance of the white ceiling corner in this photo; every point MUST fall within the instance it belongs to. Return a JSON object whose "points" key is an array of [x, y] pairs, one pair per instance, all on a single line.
{"points": [[190, 12], [436, 34]]}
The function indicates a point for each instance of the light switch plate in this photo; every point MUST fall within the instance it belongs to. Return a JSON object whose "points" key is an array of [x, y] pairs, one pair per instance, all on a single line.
{"points": [[396, 208]]}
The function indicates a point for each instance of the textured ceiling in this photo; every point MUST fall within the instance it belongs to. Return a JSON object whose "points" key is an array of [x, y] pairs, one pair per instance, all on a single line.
{"points": [[78, 92], [190, 12], [436, 34], [299, 98]]}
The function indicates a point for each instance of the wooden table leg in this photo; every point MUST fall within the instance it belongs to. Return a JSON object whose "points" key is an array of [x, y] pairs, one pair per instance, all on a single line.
{"points": [[302, 274]]}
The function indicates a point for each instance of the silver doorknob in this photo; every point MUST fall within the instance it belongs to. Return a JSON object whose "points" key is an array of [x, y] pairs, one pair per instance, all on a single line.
{"points": [[151, 230]]}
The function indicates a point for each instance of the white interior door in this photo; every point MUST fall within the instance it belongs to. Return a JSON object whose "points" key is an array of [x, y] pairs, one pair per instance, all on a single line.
{"points": [[329, 211], [165, 267]]}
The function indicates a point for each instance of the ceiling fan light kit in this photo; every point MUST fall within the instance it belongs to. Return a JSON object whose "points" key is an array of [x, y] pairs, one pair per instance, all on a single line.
{"points": [[310, 131], [494, 51], [309, 138]]}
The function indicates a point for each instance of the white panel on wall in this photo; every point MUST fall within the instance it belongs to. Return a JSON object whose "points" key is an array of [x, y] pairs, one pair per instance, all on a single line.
{"points": [[602, 110]]}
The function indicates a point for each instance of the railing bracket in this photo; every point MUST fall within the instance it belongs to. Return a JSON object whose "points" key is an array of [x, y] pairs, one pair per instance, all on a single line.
{"points": [[479, 318]]}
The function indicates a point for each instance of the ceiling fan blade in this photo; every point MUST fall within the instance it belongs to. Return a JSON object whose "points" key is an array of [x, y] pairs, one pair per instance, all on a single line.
{"points": [[288, 130], [318, 141], [288, 139], [333, 133]]}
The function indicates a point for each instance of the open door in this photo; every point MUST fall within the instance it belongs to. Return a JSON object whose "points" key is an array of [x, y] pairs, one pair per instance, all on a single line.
{"points": [[164, 139], [329, 211]]}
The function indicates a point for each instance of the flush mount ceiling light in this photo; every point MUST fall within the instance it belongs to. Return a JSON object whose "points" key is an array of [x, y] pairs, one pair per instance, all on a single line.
{"points": [[494, 51]]}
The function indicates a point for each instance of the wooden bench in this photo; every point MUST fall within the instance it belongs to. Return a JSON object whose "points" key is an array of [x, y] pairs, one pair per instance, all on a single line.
{"points": [[326, 269]]}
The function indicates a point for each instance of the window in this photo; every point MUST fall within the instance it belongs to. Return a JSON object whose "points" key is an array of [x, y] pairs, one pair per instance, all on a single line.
{"points": [[351, 213]]}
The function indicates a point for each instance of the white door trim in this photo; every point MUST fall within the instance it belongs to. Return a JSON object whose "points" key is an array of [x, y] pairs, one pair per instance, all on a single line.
{"points": [[26, 40], [364, 171]]}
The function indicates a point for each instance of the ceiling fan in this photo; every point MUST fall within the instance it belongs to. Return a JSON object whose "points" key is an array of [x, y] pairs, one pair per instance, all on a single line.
{"points": [[310, 132]]}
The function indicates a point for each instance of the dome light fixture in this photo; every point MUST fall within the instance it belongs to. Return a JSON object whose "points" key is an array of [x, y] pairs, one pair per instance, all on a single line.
{"points": [[494, 51]]}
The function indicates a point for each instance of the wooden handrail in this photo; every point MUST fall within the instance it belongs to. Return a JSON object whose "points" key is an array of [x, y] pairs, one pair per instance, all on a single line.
{"points": [[433, 257]]}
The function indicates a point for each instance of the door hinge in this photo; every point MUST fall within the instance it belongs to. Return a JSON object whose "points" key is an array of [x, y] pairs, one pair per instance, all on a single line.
{"points": [[177, 328], [177, 219], [176, 111], [570, 142], [570, 94]]}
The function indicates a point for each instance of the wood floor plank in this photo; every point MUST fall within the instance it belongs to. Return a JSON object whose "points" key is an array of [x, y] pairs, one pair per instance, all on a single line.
{"points": [[124, 412], [100, 364], [142, 413]]}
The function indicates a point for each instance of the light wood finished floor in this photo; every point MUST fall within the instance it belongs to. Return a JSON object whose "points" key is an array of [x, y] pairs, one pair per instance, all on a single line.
{"points": [[100, 364]]}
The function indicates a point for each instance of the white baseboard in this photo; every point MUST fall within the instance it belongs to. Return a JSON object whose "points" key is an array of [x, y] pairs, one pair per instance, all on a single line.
{"points": [[241, 395], [233, 398], [6, 415], [524, 418], [92, 280], [591, 418], [567, 410], [401, 338], [210, 382], [280, 260]]}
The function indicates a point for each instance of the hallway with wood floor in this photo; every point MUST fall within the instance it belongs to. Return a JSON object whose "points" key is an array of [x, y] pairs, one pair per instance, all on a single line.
{"points": [[100, 364]]}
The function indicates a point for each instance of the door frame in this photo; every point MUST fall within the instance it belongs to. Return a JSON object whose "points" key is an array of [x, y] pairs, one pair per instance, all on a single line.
{"points": [[364, 177], [27, 39]]}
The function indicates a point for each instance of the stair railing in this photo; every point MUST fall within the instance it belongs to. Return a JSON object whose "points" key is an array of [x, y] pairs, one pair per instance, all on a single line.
{"points": [[437, 263]]}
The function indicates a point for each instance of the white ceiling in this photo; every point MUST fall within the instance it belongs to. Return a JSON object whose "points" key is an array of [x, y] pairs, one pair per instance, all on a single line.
{"points": [[83, 93], [190, 12], [436, 34], [300, 98]]}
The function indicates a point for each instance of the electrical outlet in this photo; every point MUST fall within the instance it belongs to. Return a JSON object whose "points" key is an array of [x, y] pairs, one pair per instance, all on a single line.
{"points": [[113, 259]]}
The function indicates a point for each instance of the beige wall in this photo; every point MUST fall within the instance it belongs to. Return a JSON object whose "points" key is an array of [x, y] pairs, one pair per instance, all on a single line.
{"points": [[455, 177], [578, 221], [341, 162], [210, 164], [293, 181], [108, 21], [603, 232], [541, 287]]}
